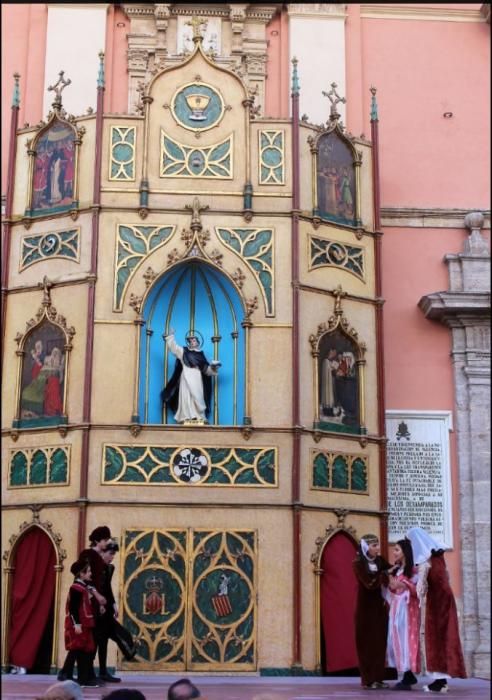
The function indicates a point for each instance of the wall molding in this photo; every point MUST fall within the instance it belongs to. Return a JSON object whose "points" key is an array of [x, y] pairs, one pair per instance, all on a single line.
{"points": [[413, 217], [434, 14]]}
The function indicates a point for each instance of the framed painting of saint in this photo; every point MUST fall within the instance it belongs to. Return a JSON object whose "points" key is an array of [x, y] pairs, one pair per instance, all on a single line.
{"points": [[54, 170], [335, 178], [43, 374], [338, 381]]}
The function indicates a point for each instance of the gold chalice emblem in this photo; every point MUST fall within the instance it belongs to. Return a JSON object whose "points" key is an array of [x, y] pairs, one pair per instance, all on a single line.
{"points": [[198, 104]]}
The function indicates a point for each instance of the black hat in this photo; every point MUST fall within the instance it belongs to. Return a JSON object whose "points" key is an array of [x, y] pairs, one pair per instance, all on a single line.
{"points": [[79, 566], [100, 533]]}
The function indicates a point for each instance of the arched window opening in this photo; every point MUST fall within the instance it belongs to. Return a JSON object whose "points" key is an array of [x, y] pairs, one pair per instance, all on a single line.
{"points": [[193, 296]]}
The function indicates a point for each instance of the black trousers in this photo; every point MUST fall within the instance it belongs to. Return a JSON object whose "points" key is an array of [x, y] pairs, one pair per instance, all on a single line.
{"points": [[109, 628], [85, 666]]}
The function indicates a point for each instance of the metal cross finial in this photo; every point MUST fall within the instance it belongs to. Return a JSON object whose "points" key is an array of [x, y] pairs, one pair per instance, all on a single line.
{"points": [[195, 23], [58, 90], [334, 101], [338, 294]]}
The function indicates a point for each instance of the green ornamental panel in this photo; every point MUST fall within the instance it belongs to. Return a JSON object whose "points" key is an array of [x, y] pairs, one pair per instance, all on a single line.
{"points": [[337, 471], [325, 253], [134, 243], [189, 599], [210, 162], [55, 244], [271, 157], [223, 607], [154, 597], [122, 157], [190, 466], [29, 467], [255, 247]]}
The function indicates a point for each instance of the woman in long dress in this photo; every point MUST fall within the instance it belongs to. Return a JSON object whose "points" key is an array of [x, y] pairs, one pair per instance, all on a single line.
{"points": [[53, 400], [443, 653], [43, 396], [371, 615], [403, 651]]}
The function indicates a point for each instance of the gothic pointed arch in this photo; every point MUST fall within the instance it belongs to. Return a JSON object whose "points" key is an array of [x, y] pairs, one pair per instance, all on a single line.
{"points": [[188, 59], [336, 168], [53, 162], [335, 588], [43, 351], [50, 551], [194, 293], [338, 362]]}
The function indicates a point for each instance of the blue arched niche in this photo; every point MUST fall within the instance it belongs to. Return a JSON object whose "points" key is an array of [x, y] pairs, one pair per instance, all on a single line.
{"points": [[193, 295]]}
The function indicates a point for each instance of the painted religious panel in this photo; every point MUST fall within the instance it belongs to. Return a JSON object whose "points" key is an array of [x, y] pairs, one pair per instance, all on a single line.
{"points": [[43, 374], [338, 381], [335, 180], [54, 169]]}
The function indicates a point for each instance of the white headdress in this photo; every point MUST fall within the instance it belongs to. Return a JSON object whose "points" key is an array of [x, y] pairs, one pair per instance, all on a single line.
{"points": [[423, 544]]}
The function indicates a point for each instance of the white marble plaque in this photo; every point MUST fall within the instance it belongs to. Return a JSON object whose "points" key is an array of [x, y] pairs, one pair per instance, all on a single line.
{"points": [[418, 473], [211, 38]]}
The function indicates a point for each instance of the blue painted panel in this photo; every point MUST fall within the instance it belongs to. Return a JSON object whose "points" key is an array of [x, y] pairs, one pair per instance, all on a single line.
{"points": [[194, 296]]}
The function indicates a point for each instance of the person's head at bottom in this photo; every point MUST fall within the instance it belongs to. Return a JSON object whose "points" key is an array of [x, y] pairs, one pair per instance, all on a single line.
{"points": [[64, 690], [183, 690], [124, 694]]}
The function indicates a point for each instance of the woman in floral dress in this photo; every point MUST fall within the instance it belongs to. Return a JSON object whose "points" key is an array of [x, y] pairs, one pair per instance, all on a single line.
{"points": [[403, 650]]}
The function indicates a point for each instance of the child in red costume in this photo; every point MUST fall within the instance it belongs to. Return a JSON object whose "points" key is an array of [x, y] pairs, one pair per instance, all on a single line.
{"points": [[79, 624]]}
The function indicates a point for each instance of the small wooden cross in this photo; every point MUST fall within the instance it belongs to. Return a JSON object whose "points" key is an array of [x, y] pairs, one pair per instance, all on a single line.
{"points": [[334, 101]]}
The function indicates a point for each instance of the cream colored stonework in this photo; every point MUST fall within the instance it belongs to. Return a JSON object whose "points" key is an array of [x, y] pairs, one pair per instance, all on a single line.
{"points": [[269, 511]]}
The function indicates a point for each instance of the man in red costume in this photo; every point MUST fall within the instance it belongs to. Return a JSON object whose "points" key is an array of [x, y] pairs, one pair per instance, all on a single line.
{"points": [[444, 657]]}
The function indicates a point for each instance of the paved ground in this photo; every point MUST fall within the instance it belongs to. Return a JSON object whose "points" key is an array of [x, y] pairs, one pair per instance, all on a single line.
{"points": [[154, 687]]}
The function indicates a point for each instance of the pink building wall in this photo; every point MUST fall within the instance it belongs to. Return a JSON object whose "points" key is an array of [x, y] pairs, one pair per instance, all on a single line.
{"points": [[426, 161], [24, 50], [116, 93], [277, 87], [436, 67]]}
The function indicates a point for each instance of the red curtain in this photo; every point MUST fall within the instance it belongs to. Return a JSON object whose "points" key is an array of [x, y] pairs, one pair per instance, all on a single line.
{"points": [[338, 591], [32, 593]]}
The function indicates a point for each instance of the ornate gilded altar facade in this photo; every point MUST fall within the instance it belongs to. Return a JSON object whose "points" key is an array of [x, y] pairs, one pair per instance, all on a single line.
{"points": [[195, 211]]}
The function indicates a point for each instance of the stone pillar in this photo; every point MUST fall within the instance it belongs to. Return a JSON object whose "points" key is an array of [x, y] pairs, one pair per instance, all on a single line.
{"points": [[465, 309]]}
